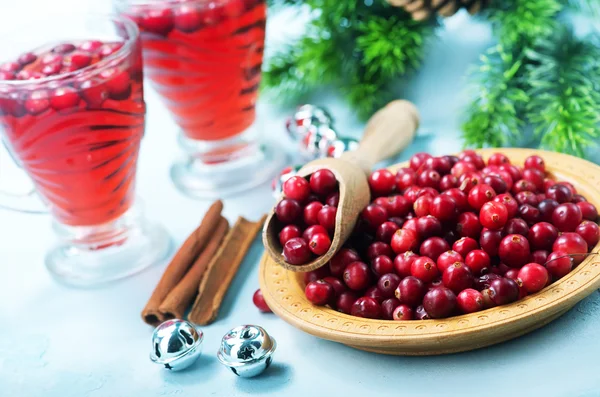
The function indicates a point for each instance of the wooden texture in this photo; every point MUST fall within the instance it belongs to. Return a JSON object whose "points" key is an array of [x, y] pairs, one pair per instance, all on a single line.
{"points": [[284, 292], [222, 269], [387, 133]]}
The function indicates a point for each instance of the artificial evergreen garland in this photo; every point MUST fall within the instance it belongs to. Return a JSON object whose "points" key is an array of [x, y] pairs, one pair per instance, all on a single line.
{"points": [[538, 78]]}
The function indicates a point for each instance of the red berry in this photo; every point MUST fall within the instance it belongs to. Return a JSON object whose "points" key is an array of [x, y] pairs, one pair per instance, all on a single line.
{"points": [[27, 58], [311, 211], [10, 67], [159, 21], [333, 199], [477, 261], [90, 45], [289, 232], [534, 277], [516, 226], [93, 92], [382, 182], [465, 245], [403, 263], [559, 264], [404, 240], [405, 178], [460, 199], [514, 250], [77, 60], [468, 225], [461, 168], [117, 82], [527, 198], [323, 182], [529, 213], [366, 307], [382, 264], [578, 198], [375, 293], [496, 183], [457, 277], [345, 301], [187, 18], [37, 102], [493, 215], [536, 177], [503, 291], [433, 247], [523, 185], [474, 158], [338, 285], [535, 162], [410, 291], [109, 49], [397, 206], [418, 159], [513, 274], [51, 69], [374, 215], [498, 159], [387, 284], [379, 248], [560, 193], [387, 308], [296, 188], [422, 205], [310, 231], [411, 224], [428, 226], [429, 178], [542, 235], [443, 207], [448, 182], [571, 243], [420, 313], [385, 231], [411, 194], [319, 243], [509, 202], [424, 268], [439, 302], [483, 282], [480, 195], [64, 48], [319, 292], [51, 58], [546, 208], [357, 276], [441, 165], [296, 251], [539, 256], [590, 232], [446, 259], [6, 75], [326, 217], [402, 313], [343, 258], [259, 301], [566, 217], [588, 211], [288, 211], [470, 301]]}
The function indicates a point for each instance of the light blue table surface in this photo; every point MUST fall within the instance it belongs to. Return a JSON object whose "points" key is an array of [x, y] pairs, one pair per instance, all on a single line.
{"points": [[56, 341]]}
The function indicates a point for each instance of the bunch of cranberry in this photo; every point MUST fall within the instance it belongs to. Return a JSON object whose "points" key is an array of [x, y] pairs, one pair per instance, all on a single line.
{"points": [[307, 214], [451, 235]]}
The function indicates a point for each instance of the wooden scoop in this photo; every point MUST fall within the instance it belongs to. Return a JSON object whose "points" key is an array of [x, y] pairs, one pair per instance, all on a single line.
{"points": [[388, 132]]}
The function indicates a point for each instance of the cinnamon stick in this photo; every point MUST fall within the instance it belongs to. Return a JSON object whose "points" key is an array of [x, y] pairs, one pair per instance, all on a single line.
{"points": [[222, 269], [181, 262], [178, 300]]}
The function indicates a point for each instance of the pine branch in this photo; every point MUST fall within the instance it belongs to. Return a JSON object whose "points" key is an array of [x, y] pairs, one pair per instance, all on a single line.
{"points": [[587, 7], [564, 93], [493, 117]]}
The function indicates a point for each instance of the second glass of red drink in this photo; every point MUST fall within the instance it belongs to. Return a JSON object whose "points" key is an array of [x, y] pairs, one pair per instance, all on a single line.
{"points": [[204, 58]]}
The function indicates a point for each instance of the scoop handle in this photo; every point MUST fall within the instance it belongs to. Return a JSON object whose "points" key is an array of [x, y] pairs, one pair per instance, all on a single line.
{"points": [[389, 131]]}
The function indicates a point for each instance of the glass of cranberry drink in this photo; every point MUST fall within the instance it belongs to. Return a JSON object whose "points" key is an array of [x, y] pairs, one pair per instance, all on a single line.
{"points": [[72, 114], [204, 59]]}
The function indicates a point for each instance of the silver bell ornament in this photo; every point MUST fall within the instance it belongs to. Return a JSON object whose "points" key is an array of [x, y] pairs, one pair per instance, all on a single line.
{"points": [[316, 141], [247, 350], [176, 344], [305, 117]]}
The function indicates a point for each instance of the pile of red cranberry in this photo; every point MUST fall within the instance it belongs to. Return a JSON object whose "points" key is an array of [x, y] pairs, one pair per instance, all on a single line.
{"points": [[451, 235], [307, 214]]}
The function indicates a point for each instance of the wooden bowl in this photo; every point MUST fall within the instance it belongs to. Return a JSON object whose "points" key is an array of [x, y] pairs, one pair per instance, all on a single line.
{"points": [[284, 292]]}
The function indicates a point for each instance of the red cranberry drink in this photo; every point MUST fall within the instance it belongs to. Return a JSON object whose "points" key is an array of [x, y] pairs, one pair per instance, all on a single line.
{"points": [[204, 58], [72, 113]]}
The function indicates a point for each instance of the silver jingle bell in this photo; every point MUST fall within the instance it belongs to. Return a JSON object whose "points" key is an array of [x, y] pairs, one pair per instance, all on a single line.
{"points": [[340, 146], [176, 344], [247, 350], [304, 118], [284, 175], [316, 142]]}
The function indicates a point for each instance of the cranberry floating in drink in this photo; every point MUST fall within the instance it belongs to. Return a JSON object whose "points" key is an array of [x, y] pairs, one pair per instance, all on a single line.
{"points": [[72, 113], [204, 58]]}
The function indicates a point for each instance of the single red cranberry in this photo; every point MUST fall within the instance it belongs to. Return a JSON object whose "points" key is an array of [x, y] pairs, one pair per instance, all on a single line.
{"points": [[296, 188], [343, 258], [403, 313], [501, 269], [289, 232], [527, 198], [546, 208], [310, 231], [109, 49], [509, 202], [52, 69], [559, 264], [457, 277], [375, 293], [468, 225], [433, 247], [590, 232], [288, 211], [382, 182], [357, 276], [94, 92], [397, 206], [366, 307], [474, 158], [514, 250], [397, 220], [446, 259], [497, 183], [78, 60], [560, 193], [498, 159], [460, 198], [483, 282], [480, 195], [420, 313], [379, 248], [333, 199], [26, 58], [503, 291], [443, 207], [326, 217], [462, 167], [410, 194], [569, 186], [566, 217], [296, 251], [187, 18], [387, 284], [374, 215], [490, 169], [37, 102], [523, 185], [470, 301], [29, 75], [516, 226], [117, 82], [411, 224], [578, 198], [410, 291], [547, 183], [387, 308], [465, 245], [382, 265], [441, 165], [345, 301], [468, 181], [539, 256], [535, 162], [493, 215], [429, 178], [404, 240], [439, 302], [64, 98], [385, 231], [319, 292], [536, 177], [452, 159], [405, 178], [403, 263], [478, 261], [159, 21], [534, 277], [319, 243], [51, 58], [10, 67], [259, 301], [422, 205], [64, 48], [323, 182], [448, 182], [311, 211], [542, 235], [90, 45], [417, 160], [424, 268], [588, 211], [529, 213], [6, 75], [513, 274], [571, 243], [438, 282]]}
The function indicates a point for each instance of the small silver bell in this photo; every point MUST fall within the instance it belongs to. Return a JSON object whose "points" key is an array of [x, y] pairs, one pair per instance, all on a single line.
{"points": [[341, 145], [247, 350], [304, 118], [284, 175], [176, 344], [316, 141]]}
